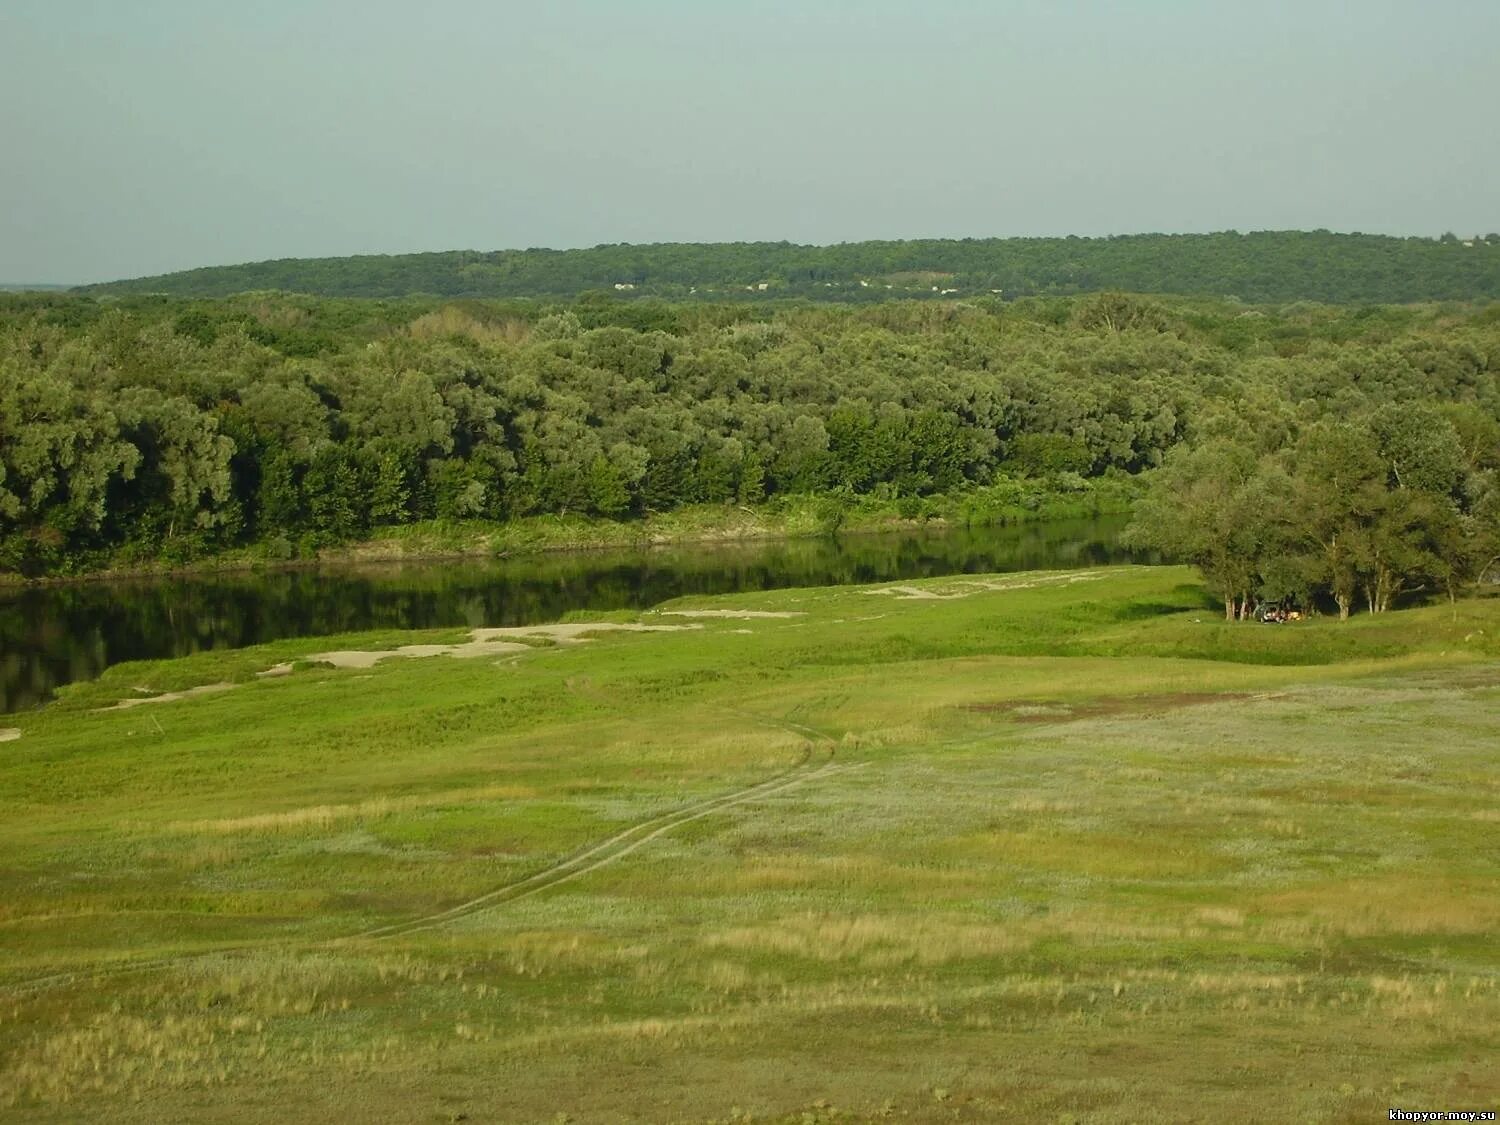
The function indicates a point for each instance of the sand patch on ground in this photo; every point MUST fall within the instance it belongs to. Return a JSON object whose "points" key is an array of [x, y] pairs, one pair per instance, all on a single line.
{"points": [[910, 593], [969, 587], [575, 632], [9, 734], [167, 696], [368, 658], [740, 613], [481, 643]]}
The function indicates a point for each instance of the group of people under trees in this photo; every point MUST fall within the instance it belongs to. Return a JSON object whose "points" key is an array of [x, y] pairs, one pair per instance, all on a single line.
{"points": [[1272, 613], [1298, 454]]}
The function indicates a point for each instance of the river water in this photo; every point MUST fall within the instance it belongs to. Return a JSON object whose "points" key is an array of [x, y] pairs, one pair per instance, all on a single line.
{"points": [[54, 635]]}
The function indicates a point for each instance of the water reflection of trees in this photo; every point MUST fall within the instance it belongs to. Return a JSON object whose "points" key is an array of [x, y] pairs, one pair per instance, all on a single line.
{"points": [[56, 635]]}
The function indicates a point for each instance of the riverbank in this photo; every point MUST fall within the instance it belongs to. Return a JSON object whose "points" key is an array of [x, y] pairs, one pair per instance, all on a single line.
{"points": [[57, 633], [1002, 504], [893, 851]]}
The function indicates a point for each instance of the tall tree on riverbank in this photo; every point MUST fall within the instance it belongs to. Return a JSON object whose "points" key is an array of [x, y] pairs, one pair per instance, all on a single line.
{"points": [[1208, 506]]}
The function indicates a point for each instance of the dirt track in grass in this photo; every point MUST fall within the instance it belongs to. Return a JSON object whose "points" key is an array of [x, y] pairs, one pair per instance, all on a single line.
{"points": [[593, 858], [603, 853]]}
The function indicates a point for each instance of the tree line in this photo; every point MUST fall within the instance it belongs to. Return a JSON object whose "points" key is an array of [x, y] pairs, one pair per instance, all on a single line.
{"points": [[158, 429], [1259, 266]]}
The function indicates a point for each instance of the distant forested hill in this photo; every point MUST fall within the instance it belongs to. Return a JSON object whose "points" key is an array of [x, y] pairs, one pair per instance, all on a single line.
{"points": [[1267, 266]]}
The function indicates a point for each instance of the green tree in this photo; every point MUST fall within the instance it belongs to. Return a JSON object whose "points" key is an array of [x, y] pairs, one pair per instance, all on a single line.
{"points": [[1339, 492], [61, 454], [751, 486], [1207, 507], [336, 502], [608, 494], [389, 477], [1420, 446], [279, 509]]}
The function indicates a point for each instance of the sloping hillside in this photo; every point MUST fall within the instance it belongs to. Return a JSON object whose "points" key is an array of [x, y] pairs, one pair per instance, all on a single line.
{"points": [[1263, 266]]}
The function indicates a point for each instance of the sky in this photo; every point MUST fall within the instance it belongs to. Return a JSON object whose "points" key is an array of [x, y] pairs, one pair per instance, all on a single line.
{"points": [[153, 135]]}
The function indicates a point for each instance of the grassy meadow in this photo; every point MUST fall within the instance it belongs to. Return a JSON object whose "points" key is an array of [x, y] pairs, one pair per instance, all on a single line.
{"points": [[1060, 844]]}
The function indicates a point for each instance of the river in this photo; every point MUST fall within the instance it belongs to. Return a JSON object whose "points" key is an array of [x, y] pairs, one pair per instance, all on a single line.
{"points": [[54, 635]]}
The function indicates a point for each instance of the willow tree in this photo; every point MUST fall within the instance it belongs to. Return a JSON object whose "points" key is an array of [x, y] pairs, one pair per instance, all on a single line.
{"points": [[1339, 493], [1207, 506]]}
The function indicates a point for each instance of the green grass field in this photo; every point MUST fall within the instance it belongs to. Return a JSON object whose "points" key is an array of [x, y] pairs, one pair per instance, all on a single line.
{"points": [[1055, 845]]}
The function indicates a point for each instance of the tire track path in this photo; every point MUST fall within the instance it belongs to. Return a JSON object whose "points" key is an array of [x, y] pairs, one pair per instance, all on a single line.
{"points": [[593, 858], [600, 855]]}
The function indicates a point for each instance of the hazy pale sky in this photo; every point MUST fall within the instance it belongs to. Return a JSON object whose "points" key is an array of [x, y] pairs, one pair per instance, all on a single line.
{"points": [[140, 136]]}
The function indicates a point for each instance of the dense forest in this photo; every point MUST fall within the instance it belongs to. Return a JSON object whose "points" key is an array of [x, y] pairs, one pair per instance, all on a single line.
{"points": [[1299, 452], [1263, 266]]}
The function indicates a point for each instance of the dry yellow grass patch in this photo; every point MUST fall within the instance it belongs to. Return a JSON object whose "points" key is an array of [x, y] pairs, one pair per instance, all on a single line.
{"points": [[1226, 916], [872, 940], [1043, 805], [1396, 904], [325, 816], [787, 871], [1096, 854]]}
